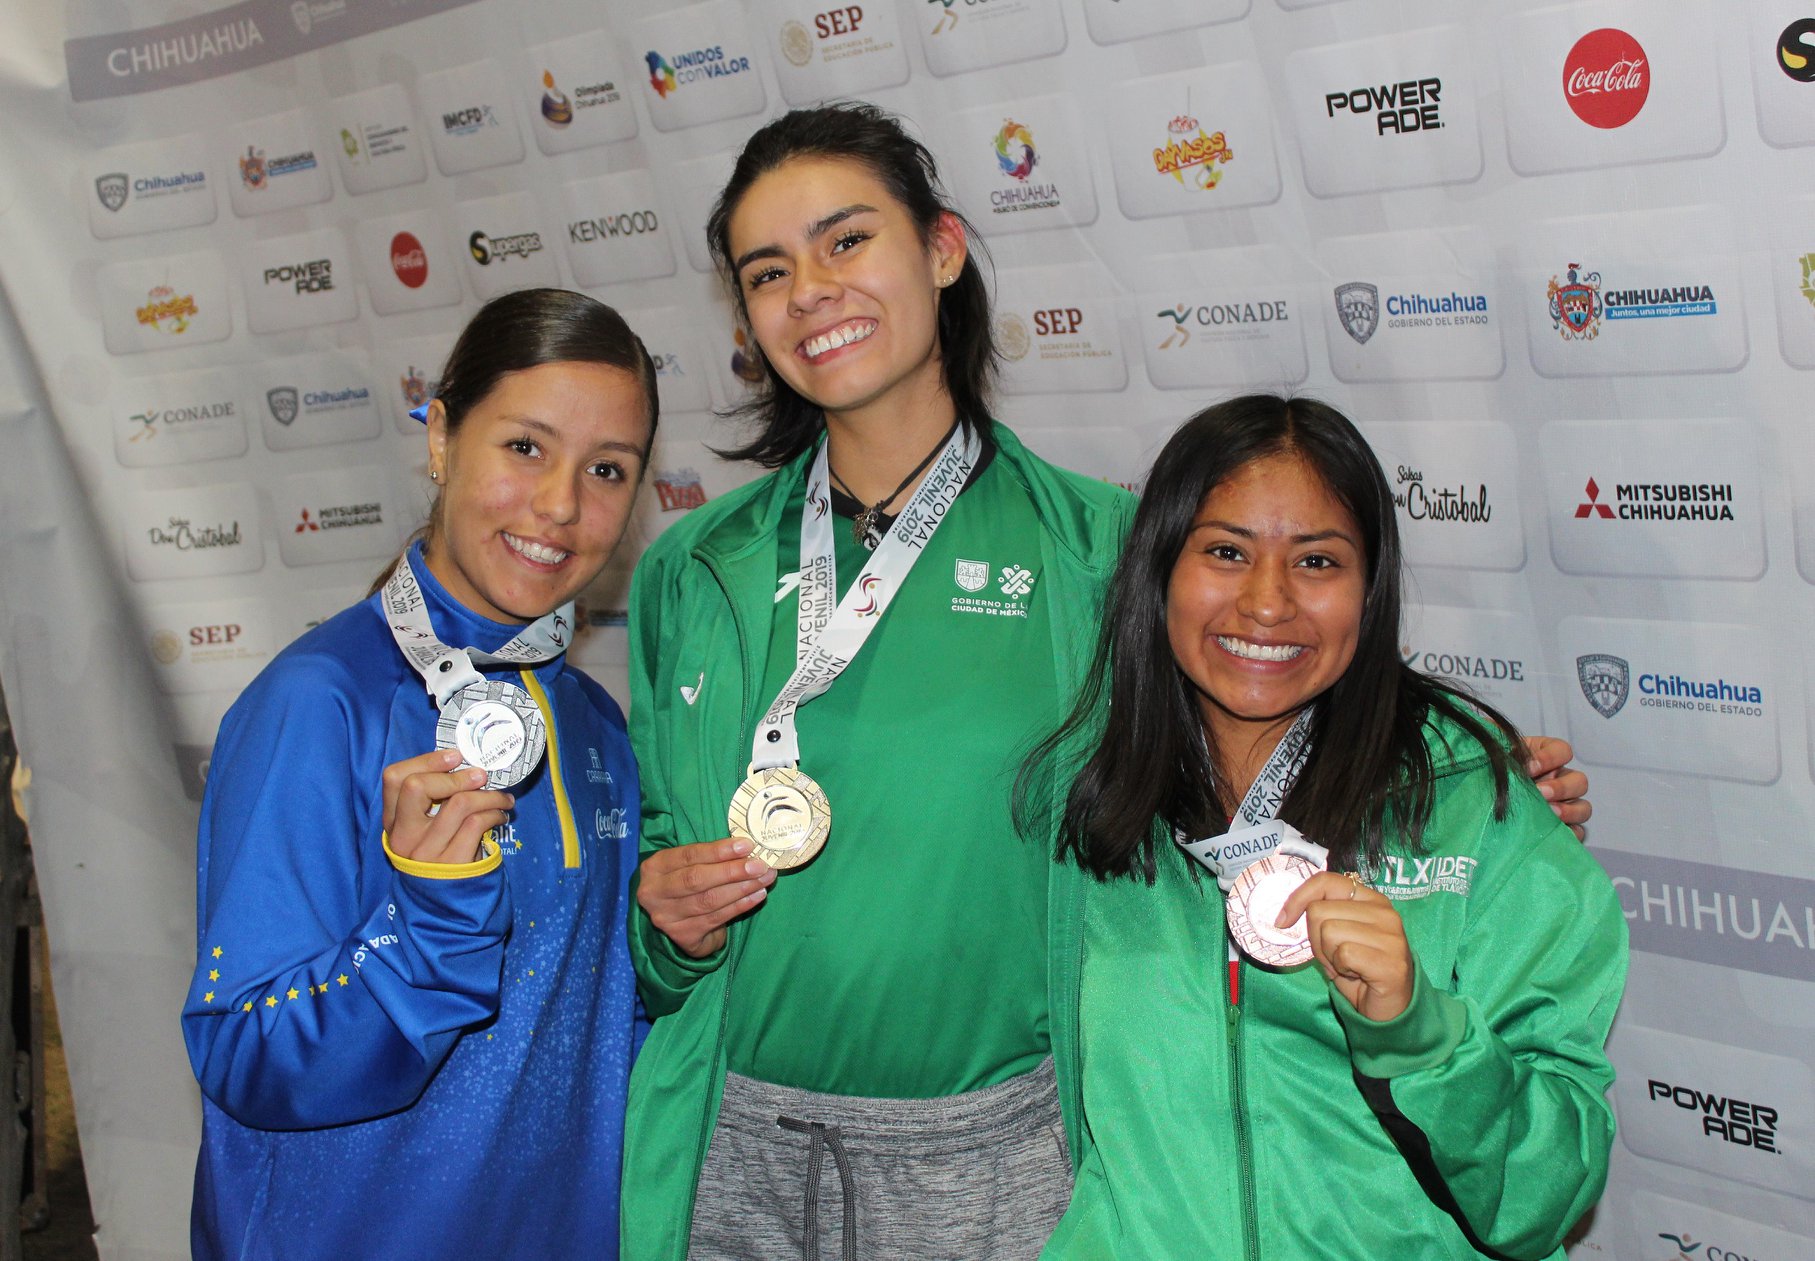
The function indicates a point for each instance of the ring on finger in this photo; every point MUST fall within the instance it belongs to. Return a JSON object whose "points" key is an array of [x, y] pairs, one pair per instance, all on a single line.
{"points": [[1354, 883]]}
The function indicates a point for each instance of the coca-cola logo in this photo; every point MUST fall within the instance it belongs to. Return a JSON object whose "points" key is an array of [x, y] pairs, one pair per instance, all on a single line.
{"points": [[1606, 78], [409, 261]]}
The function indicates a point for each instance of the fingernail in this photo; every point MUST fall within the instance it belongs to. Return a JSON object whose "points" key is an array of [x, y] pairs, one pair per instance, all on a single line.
{"points": [[476, 778], [1531, 768], [755, 868], [759, 895], [769, 874], [1548, 791], [450, 757], [740, 847], [509, 800]]}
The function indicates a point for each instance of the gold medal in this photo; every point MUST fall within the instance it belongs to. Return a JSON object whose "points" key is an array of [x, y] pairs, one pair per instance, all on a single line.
{"points": [[783, 814]]}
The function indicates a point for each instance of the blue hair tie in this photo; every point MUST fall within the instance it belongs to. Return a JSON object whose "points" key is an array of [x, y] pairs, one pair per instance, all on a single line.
{"points": [[420, 413]]}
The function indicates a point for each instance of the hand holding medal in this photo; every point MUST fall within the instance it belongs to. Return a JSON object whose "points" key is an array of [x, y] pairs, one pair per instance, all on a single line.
{"points": [[437, 811], [1358, 939]]}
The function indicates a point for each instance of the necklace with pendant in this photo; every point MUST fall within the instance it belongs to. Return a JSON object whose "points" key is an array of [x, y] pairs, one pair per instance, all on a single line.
{"points": [[863, 525]]}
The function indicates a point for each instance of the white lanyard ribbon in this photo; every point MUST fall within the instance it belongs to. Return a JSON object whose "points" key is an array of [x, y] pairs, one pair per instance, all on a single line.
{"points": [[1256, 830], [827, 639], [446, 670]]}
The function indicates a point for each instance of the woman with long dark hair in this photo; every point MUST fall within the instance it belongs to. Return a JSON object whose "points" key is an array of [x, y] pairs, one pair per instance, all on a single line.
{"points": [[413, 1005], [874, 1050], [1404, 1056]]}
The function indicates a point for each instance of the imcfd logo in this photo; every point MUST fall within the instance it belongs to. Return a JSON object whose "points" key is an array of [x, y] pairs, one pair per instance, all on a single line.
{"points": [[1016, 158], [679, 490], [1192, 156], [1606, 79], [1398, 109], [1659, 501], [1575, 304], [469, 121], [487, 250], [1724, 1119], [668, 76], [1796, 50], [167, 310], [315, 276], [1606, 682], [611, 227], [1222, 321], [1440, 504]]}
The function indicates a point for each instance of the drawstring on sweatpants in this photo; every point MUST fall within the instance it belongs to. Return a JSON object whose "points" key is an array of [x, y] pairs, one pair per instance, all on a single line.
{"points": [[819, 1138]]}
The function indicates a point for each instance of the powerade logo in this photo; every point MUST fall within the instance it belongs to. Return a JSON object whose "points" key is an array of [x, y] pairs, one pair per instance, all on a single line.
{"points": [[667, 76], [315, 276], [1398, 109], [1723, 1119], [487, 250]]}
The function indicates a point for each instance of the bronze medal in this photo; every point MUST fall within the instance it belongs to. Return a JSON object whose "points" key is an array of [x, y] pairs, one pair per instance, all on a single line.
{"points": [[783, 814], [1254, 903]]}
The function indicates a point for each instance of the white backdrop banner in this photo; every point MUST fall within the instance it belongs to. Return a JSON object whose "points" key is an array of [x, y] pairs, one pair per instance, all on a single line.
{"points": [[1557, 260]]}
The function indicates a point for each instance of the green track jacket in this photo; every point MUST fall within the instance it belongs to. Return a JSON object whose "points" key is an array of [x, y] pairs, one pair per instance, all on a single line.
{"points": [[701, 610], [1290, 1127]]}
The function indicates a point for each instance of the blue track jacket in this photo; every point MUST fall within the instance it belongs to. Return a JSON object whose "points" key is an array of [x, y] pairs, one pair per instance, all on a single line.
{"points": [[403, 1059]]}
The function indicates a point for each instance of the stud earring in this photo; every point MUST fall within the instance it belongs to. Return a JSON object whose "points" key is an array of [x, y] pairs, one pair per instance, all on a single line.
{"points": [[434, 476]]}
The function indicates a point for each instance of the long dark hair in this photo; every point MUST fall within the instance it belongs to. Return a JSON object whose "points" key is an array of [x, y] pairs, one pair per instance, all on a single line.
{"points": [[786, 422], [525, 329], [1153, 768]]}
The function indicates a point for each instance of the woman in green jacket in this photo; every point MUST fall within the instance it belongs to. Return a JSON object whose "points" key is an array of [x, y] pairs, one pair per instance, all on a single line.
{"points": [[875, 1052], [1405, 1057]]}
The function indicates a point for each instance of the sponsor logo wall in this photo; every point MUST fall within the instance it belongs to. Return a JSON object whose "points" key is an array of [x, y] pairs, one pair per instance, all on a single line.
{"points": [[1557, 260]]}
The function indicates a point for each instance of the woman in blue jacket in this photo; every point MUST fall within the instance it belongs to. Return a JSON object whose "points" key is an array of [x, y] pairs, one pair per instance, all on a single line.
{"points": [[413, 1011]]}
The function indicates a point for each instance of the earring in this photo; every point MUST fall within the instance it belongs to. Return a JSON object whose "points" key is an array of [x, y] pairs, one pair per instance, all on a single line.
{"points": [[434, 476], [946, 280]]}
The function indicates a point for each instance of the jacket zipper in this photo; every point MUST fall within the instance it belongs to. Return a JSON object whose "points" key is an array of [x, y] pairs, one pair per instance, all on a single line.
{"points": [[731, 955], [570, 837], [1238, 1097]]}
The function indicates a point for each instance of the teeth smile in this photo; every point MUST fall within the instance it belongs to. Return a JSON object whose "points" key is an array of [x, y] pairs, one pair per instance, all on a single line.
{"points": [[1259, 652], [843, 335], [538, 552]]}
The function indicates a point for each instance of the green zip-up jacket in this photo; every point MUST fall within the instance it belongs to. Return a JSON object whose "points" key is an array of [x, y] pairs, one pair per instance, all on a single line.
{"points": [[703, 601], [1288, 1126]]}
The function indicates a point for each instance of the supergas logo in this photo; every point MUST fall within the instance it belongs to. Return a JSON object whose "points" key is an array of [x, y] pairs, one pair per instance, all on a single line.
{"points": [[1796, 50], [487, 250]]}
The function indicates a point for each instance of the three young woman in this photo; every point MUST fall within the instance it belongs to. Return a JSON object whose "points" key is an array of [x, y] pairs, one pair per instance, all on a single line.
{"points": [[413, 1012], [1433, 1086], [878, 1053]]}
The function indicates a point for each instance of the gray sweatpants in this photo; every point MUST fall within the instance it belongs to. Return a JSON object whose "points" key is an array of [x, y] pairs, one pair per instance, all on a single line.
{"points": [[982, 1176]]}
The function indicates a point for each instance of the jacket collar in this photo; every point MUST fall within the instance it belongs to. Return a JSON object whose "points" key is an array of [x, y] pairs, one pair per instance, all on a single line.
{"points": [[1068, 522]]}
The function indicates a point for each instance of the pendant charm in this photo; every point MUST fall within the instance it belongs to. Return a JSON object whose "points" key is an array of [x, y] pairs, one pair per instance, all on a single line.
{"points": [[863, 528]]}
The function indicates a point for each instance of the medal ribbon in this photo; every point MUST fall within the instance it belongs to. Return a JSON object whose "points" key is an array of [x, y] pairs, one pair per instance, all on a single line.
{"points": [[827, 639], [446, 670]]}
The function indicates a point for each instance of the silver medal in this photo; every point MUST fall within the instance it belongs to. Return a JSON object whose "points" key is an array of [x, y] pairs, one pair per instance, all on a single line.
{"points": [[495, 726]]}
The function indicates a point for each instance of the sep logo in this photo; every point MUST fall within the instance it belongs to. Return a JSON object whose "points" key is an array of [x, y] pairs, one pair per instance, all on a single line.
{"points": [[1606, 681]]}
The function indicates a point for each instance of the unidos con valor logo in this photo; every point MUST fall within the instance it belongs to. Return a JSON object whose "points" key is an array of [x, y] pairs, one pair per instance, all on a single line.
{"points": [[667, 76], [1606, 78]]}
